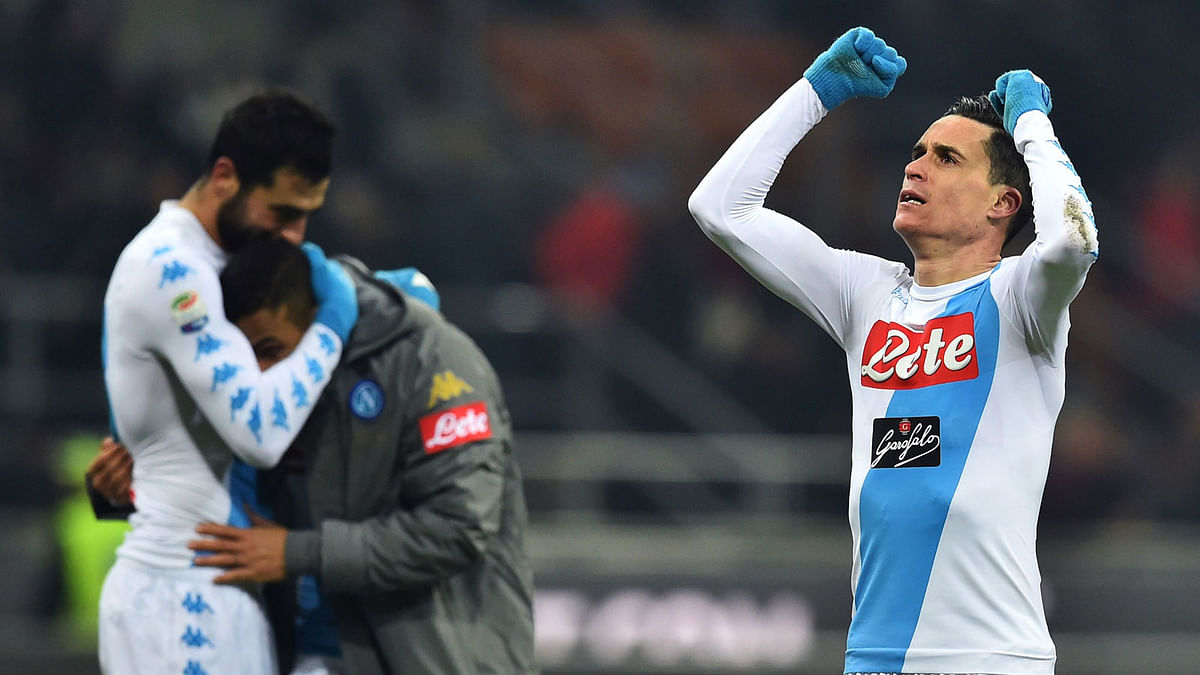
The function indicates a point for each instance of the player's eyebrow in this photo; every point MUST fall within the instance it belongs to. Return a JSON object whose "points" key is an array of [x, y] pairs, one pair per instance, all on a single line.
{"points": [[949, 150], [944, 150], [940, 149]]}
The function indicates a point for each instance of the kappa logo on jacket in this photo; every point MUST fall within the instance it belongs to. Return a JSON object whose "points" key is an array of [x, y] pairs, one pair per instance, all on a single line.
{"points": [[446, 386], [895, 357], [455, 426]]}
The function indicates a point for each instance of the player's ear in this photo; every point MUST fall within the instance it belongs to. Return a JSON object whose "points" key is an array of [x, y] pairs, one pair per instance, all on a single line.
{"points": [[1006, 202], [224, 178]]}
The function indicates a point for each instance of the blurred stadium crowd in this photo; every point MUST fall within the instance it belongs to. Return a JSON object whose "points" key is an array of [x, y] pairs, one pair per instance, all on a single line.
{"points": [[555, 143]]}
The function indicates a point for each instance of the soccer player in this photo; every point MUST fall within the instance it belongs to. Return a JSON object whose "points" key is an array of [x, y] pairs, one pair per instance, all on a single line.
{"points": [[956, 367], [187, 395], [414, 518]]}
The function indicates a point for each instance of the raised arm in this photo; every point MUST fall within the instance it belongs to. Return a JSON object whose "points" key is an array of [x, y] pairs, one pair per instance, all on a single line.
{"points": [[1052, 270], [782, 254]]}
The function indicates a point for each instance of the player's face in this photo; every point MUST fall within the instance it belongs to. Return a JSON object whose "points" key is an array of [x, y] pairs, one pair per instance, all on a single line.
{"points": [[272, 334], [281, 210], [946, 195]]}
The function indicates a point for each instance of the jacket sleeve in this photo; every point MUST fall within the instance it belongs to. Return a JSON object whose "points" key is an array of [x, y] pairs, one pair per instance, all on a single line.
{"points": [[456, 444]]}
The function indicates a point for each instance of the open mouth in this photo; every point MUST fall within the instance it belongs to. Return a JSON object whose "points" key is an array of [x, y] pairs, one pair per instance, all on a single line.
{"points": [[910, 197]]}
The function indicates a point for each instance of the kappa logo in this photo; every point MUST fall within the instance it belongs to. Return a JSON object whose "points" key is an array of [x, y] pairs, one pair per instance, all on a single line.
{"points": [[447, 386], [223, 373], [895, 357], [194, 603], [173, 271], [315, 371], [195, 637], [189, 311], [238, 401], [327, 343], [279, 416], [207, 344], [299, 393], [254, 424]]}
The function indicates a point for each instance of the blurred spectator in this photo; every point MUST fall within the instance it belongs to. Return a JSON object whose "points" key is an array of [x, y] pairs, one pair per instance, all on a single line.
{"points": [[1169, 226], [585, 253]]}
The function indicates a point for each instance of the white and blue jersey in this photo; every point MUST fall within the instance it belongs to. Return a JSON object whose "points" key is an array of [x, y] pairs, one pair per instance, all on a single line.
{"points": [[956, 389], [186, 392]]}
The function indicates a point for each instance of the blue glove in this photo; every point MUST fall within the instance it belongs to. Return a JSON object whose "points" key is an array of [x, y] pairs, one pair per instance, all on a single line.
{"points": [[411, 281], [856, 64], [336, 297], [1016, 93]]}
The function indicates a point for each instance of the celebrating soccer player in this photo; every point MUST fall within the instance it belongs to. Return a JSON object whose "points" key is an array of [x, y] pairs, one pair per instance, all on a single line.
{"points": [[956, 367]]}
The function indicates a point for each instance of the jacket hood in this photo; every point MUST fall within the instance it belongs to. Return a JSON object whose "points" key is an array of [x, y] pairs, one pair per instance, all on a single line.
{"points": [[384, 313]]}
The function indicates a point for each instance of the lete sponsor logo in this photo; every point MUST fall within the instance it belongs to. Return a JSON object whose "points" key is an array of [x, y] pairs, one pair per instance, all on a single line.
{"points": [[455, 426], [898, 358]]}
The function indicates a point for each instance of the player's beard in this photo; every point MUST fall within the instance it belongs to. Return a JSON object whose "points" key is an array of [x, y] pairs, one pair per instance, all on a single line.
{"points": [[232, 227]]}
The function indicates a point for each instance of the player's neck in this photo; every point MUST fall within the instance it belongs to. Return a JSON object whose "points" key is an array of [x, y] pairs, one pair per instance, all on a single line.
{"points": [[938, 261], [204, 206], [939, 270]]}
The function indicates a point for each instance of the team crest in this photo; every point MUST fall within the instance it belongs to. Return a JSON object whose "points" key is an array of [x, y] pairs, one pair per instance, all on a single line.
{"points": [[366, 400], [189, 311], [447, 386]]}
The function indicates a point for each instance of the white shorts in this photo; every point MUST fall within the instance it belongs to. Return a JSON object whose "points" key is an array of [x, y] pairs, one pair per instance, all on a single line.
{"points": [[155, 621]]}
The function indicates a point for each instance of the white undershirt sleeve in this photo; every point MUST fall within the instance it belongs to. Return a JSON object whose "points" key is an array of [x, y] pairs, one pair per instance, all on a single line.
{"points": [[179, 309], [1051, 271], [785, 256]]}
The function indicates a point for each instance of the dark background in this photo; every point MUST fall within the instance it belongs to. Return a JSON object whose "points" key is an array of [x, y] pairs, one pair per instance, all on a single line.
{"points": [[534, 159]]}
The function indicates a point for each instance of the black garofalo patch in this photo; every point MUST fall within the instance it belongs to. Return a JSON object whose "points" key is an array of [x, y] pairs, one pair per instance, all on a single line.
{"points": [[902, 442]]}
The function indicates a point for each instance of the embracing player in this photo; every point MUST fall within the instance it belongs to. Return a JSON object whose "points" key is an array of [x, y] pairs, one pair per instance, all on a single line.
{"points": [[187, 394]]}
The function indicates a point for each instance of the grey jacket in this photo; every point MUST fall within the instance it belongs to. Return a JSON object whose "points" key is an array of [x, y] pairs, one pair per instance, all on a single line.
{"points": [[411, 480]]}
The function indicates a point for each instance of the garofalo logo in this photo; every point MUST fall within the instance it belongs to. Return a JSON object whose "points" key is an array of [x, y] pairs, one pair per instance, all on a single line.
{"points": [[898, 442]]}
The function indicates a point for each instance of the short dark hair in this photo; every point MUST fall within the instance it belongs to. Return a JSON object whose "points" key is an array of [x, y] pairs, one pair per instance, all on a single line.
{"points": [[273, 130], [1008, 167], [268, 273]]}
